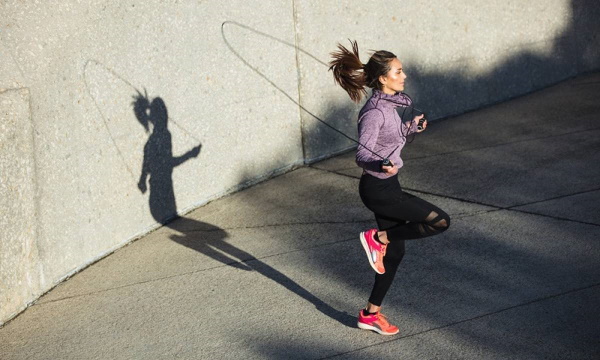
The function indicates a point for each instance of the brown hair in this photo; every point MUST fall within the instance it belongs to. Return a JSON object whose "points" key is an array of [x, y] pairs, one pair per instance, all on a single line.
{"points": [[353, 76]]}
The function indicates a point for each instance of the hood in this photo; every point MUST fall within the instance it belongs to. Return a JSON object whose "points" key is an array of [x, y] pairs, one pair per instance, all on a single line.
{"points": [[382, 99]]}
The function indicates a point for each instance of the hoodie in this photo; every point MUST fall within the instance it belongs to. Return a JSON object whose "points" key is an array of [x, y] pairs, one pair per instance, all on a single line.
{"points": [[381, 130]]}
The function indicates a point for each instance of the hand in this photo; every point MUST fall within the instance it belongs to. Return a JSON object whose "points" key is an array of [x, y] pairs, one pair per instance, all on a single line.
{"points": [[416, 121], [390, 170], [195, 151], [142, 186]]}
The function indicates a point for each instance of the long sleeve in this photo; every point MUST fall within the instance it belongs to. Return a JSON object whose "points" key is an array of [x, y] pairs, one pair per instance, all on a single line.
{"points": [[369, 126]]}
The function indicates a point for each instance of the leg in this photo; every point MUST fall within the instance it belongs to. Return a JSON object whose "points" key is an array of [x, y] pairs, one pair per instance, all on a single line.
{"points": [[400, 216], [422, 219], [413, 218], [372, 319], [432, 221], [394, 254], [383, 282]]}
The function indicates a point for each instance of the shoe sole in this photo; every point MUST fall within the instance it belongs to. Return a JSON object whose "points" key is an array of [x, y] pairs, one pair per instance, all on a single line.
{"points": [[376, 329], [365, 246]]}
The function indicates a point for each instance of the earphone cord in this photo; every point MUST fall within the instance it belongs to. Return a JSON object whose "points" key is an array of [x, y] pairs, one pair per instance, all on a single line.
{"points": [[412, 112]]}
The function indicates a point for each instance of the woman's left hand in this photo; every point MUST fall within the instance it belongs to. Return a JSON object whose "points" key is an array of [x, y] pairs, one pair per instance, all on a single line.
{"points": [[416, 120]]}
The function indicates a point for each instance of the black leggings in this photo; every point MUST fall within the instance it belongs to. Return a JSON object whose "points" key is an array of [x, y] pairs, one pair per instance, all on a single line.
{"points": [[403, 216]]}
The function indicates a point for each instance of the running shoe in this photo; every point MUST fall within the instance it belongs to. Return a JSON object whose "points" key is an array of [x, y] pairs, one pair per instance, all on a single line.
{"points": [[374, 249], [376, 322]]}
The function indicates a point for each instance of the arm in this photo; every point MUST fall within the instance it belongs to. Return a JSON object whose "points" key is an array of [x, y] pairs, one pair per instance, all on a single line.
{"points": [[144, 174], [190, 154], [369, 126]]}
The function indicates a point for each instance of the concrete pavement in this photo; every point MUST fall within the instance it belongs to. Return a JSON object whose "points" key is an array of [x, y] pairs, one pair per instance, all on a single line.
{"points": [[276, 271]]}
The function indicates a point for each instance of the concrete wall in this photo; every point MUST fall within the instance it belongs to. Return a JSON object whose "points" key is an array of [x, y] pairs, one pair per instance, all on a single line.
{"points": [[240, 83]]}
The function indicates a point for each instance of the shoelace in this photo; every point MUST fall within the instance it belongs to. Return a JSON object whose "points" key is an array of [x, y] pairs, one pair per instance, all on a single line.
{"points": [[383, 319]]}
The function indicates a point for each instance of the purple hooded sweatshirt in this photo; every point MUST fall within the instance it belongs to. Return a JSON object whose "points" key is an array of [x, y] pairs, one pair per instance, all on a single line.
{"points": [[380, 129]]}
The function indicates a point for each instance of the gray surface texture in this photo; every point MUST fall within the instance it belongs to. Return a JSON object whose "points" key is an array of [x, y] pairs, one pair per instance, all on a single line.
{"points": [[19, 272], [276, 271], [234, 89]]}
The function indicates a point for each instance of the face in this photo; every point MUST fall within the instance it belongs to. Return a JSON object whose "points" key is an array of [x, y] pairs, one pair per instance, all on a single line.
{"points": [[393, 81]]}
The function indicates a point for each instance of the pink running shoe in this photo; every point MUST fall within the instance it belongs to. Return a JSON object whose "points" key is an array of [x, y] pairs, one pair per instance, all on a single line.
{"points": [[374, 249], [376, 322]]}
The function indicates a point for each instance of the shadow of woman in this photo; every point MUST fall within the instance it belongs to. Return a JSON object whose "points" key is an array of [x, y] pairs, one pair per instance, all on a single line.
{"points": [[158, 163], [208, 239]]}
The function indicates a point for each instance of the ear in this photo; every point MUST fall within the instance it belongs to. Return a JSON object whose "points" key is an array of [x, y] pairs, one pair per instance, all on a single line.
{"points": [[383, 80]]}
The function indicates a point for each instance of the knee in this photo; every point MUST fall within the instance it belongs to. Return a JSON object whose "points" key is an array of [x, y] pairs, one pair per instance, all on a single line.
{"points": [[444, 222], [440, 223]]}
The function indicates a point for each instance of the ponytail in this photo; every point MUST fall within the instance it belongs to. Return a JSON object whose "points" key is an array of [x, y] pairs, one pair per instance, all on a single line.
{"points": [[348, 71], [353, 76]]}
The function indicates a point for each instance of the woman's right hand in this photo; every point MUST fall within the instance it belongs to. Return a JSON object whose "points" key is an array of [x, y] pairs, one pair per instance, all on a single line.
{"points": [[390, 170]]}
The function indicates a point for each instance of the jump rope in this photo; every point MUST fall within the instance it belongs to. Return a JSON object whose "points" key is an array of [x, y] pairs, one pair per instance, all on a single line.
{"points": [[401, 113], [105, 122], [401, 110]]}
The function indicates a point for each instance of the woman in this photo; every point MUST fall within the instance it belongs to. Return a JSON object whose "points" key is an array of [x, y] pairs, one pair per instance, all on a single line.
{"points": [[382, 133]]}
